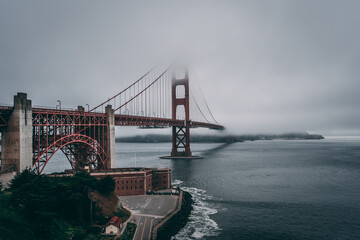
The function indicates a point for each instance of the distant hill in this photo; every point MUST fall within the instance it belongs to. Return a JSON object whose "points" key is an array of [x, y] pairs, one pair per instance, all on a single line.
{"points": [[222, 138]]}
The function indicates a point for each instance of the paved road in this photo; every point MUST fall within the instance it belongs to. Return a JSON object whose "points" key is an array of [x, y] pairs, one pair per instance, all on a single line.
{"points": [[147, 211], [144, 226]]}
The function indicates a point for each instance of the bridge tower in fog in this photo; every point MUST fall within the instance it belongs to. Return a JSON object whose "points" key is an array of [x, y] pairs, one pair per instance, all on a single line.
{"points": [[181, 133]]}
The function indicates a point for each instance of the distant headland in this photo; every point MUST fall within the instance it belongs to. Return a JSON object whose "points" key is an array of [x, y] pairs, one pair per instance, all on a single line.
{"points": [[222, 138]]}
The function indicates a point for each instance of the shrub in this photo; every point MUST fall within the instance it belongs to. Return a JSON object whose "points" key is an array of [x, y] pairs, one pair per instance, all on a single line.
{"points": [[106, 185]]}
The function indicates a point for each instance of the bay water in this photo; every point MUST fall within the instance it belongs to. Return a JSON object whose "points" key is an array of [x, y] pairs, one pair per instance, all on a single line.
{"points": [[279, 189]]}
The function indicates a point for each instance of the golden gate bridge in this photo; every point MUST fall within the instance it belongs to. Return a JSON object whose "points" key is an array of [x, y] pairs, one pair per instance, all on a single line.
{"points": [[160, 98]]}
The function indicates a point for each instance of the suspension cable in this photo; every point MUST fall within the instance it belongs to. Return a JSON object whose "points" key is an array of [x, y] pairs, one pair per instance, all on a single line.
{"points": [[124, 89], [207, 106], [147, 88], [198, 107]]}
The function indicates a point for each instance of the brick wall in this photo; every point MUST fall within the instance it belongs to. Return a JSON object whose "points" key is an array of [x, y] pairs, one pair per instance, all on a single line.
{"points": [[135, 182]]}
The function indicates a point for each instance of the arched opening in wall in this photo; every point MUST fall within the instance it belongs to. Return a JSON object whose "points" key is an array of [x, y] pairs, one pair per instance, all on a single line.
{"points": [[180, 91], [180, 112]]}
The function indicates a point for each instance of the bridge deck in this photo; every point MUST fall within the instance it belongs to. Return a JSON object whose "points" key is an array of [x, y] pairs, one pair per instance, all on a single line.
{"points": [[120, 120]]}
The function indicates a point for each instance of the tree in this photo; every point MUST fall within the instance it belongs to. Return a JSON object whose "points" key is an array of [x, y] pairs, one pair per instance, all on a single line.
{"points": [[106, 185], [24, 177]]}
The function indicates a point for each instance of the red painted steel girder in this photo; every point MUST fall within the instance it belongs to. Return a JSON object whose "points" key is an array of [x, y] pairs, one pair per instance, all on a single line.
{"points": [[68, 119], [3, 122], [126, 120], [94, 118], [40, 163], [66, 112], [6, 108], [207, 125]]}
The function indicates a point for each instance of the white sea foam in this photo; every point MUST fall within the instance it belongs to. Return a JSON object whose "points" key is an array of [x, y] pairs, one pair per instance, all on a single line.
{"points": [[200, 224], [177, 182]]}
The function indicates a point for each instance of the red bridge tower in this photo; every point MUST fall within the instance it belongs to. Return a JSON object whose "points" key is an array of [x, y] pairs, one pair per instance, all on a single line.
{"points": [[181, 133]]}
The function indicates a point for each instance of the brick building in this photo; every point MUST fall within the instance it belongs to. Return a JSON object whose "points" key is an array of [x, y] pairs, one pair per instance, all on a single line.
{"points": [[134, 181]]}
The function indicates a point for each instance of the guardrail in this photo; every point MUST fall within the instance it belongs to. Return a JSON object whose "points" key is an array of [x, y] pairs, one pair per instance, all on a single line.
{"points": [[54, 108], [6, 106]]}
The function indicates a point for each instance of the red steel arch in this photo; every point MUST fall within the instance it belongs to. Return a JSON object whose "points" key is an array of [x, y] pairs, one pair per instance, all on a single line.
{"points": [[44, 157]]}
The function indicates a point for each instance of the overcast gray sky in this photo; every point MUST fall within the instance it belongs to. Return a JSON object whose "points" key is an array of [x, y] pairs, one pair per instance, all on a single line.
{"points": [[264, 66]]}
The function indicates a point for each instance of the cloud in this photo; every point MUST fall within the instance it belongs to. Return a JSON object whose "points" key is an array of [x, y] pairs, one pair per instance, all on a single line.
{"points": [[263, 66]]}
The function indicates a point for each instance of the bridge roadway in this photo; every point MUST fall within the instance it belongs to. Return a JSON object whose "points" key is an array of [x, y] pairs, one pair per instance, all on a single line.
{"points": [[85, 137], [147, 211], [120, 119]]}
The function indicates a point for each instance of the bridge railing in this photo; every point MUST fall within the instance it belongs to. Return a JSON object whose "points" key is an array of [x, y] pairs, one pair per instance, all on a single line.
{"points": [[53, 108], [6, 106]]}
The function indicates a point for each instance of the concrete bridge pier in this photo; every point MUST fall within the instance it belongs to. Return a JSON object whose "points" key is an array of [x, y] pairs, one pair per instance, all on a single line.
{"points": [[16, 145]]}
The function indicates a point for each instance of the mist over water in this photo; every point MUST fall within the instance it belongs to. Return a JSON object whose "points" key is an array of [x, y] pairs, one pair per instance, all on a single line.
{"points": [[263, 189]]}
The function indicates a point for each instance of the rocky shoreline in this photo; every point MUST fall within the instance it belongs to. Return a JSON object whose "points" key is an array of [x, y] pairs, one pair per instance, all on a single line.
{"points": [[178, 221]]}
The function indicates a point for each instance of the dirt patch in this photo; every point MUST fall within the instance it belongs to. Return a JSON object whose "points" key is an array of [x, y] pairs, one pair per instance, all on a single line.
{"points": [[107, 204]]}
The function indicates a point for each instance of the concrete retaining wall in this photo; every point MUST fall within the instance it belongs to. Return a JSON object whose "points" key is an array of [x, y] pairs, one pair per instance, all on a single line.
{"points": [[167, 217]]}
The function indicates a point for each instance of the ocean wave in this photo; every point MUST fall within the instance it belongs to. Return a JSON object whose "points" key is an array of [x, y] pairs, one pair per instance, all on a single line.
{"points": [[200, 224], [177, 182]]}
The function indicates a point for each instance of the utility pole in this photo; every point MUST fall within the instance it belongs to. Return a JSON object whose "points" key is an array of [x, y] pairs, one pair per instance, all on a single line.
{"points": [[91, 218]]}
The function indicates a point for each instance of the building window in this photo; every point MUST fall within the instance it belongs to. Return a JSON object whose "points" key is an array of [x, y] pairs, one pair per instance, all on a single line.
{"points": [[122, 188], [131, 181], [122, 182], [127, 187], [127, 181], [135, 181], [131, 187]]}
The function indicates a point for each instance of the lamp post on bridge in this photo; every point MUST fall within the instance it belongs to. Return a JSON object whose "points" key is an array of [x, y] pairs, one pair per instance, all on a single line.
{"points": [[88, 106], [59, 104]]}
